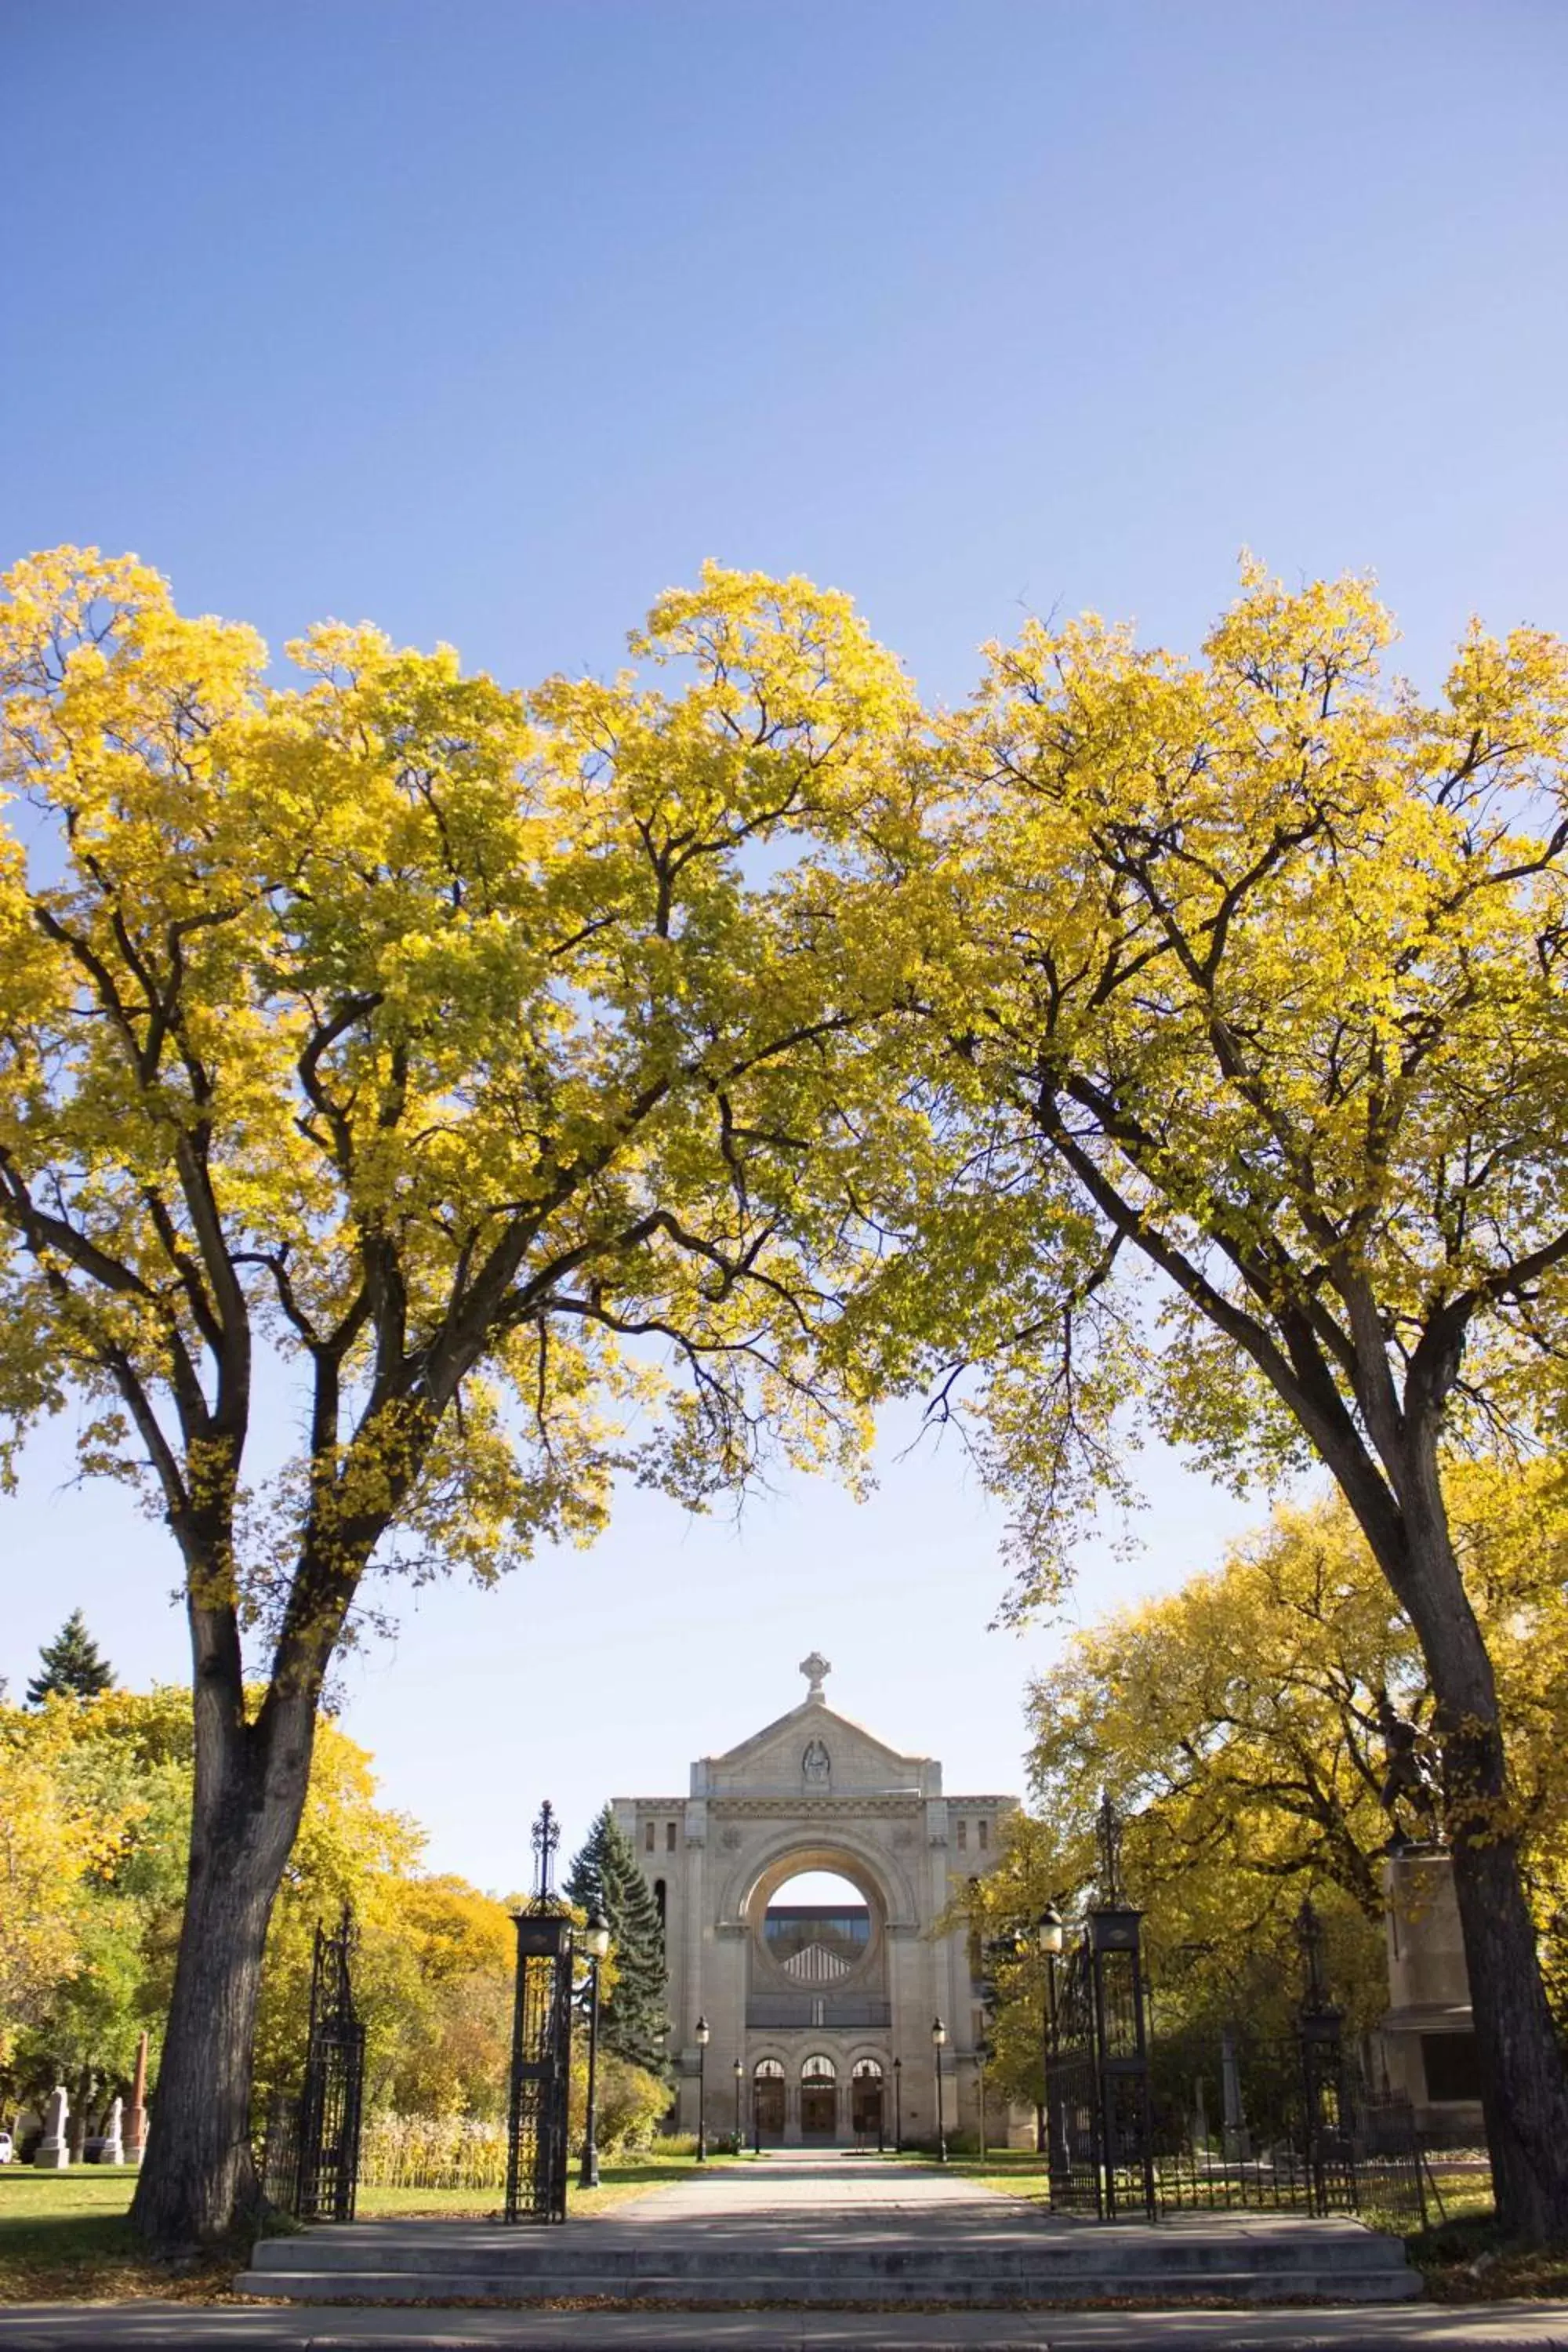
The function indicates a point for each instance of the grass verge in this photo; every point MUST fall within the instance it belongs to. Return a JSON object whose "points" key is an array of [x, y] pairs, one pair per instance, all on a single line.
{"points": [[1469, 2260], [65, 2237]]}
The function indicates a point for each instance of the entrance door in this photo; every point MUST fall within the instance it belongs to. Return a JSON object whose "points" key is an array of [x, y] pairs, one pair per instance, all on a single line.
{"points": [[866, 2100], [819, 2099], [768, 2094], [818, 2111]]}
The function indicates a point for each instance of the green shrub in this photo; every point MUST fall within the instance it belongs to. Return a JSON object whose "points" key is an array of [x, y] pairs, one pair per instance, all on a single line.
{"points": [[631, 2102]]}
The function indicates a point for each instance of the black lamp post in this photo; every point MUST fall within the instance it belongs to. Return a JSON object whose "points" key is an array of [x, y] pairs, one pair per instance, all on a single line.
{"points": [[938, 2037], [897, 2106], [1051, 1935], [593, 1940], [739, 2074], [702, 2039]]}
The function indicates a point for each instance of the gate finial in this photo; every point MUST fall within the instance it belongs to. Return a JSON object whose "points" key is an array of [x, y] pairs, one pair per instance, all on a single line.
{"points": [[1108, 1837], [546, 1838]]}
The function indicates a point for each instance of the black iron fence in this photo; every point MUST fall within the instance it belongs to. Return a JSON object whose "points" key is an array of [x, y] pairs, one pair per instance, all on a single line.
{"points": [[1242, 2123], [1214, 2124], [277, 2161]]}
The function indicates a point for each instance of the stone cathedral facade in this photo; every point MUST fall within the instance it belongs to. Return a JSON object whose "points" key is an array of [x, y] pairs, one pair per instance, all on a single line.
{"points": [[827, 2008]]}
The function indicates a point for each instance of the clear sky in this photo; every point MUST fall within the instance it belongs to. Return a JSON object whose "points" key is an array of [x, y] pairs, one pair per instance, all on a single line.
{"points": [[487, 321]]}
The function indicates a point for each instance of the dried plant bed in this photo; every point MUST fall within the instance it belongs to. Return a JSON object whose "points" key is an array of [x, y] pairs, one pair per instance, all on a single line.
{"points": [[619, 2184]]}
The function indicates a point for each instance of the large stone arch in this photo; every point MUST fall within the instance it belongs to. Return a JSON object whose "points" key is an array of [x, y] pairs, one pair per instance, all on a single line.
{"points": [[754, 1880], [765, 1975]]}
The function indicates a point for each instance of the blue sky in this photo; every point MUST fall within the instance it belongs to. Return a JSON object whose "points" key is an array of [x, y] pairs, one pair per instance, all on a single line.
{"points": [[489, 322]]}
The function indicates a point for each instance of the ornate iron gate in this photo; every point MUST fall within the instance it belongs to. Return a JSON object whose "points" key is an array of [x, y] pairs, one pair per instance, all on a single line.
{"points": [[326, 2173], [1072, 2102], [1282, 2122], [540, 2045], [1099, 2119]]}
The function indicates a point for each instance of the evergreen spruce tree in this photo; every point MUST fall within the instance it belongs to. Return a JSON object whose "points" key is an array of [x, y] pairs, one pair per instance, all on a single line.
{"points": [[604, 1870], [74, 1666]]}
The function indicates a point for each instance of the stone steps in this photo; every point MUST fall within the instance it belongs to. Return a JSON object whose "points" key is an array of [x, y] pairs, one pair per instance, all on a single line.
{"points": [[443, 2288], [1304, 2261]]}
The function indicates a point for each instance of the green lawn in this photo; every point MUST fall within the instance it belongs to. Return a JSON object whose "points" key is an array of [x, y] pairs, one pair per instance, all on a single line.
{"points": [[64, 2236]]}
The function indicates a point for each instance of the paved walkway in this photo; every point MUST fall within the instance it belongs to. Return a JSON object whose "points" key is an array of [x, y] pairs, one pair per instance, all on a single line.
{"points": [[1409, 2327], [796, 2196]]}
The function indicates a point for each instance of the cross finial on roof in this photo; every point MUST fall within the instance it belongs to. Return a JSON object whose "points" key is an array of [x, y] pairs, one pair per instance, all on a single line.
{"points": [[814, 1668]]}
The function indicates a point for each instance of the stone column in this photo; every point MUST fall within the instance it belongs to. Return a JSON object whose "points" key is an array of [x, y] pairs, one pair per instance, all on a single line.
{"points": [[112, 2146], [1237, 2142], [136, 2121], [695, 1929]]}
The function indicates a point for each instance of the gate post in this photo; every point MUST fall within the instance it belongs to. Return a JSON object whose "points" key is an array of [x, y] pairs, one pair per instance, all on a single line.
{"points": [[1319, 2025], [1120, 2032], [1121, 2057], [537, 2128]]}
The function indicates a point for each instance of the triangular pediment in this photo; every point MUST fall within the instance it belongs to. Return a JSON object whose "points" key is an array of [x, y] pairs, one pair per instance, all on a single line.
{"points": [[814, 1747]]}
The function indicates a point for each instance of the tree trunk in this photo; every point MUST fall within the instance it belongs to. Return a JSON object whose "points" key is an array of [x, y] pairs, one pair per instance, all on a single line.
{"points": [[1524, 2094], [1524, 2084], [197, 2181]]}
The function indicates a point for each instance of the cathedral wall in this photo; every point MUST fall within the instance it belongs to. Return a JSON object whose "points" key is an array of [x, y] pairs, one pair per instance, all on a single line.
{"points": [[816, 1791]]}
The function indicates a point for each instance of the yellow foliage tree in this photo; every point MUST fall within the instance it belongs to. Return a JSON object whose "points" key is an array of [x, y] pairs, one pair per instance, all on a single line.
{"points": [[1248, 1039], [457, 1054], [94, 1828], [49, 1844]]}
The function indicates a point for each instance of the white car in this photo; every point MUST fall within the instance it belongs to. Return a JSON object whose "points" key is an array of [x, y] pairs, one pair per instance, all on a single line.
{"points": [[6, 2151]]}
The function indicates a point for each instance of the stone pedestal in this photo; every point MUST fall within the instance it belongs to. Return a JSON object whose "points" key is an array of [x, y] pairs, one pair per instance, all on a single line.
{"points": [[109, 2146], [54, 2149], [1428, 2035]]}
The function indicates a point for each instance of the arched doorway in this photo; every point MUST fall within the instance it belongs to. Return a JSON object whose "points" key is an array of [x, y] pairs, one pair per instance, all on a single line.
{"points": [[819, 2098], [768, 2101], [866, 2081], [816, 1985]]}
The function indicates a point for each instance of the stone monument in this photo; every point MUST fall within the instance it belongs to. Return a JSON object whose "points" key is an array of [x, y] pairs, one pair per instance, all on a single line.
{"points": [[1411, 1777], [109, 2147], [136, 2120], [1428, 2035], [53, 2151]]}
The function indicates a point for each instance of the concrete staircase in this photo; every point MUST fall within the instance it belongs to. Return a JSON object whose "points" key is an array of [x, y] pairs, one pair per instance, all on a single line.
{"points": [[1219, 2259]]}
